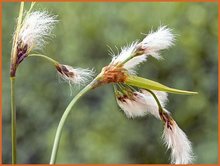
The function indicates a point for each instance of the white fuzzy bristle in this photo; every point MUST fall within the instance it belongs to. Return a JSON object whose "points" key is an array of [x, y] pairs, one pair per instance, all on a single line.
{"points": [[36, 27], [76, 76], [161, 39], [141, 103], [177, 141]]}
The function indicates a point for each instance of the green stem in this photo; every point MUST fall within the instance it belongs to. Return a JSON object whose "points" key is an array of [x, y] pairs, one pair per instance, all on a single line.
{"points": [[45, 57], [31, 7], [64, 117], [13, 120], [157, 100], [166, 118]]}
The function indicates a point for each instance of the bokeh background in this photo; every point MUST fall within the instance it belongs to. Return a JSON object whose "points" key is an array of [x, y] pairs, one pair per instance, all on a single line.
{"points": [[96, 130]]}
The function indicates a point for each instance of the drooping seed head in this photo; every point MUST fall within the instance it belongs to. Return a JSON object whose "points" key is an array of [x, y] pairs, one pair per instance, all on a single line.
{"points": [[133, 104], [137, 104], [180, 146], [77, 76]]}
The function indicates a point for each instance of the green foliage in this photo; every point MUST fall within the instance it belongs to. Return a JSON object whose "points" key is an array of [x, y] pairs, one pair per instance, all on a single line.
{"points": [[97, 131]]}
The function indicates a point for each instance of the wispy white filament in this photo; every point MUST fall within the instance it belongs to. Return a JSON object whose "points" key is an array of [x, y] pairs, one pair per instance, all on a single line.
{"points": [[161, 39], [76, 76], [141, 103], [132, 64], [177, 141], [126, 53], [36, 27]]}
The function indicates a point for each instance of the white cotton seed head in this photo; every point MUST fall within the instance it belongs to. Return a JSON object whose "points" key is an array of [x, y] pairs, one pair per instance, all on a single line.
{"points": [[161, 39], [36, 27], [133, 105], [76, 76], [141, 103], [177, 141], [137, 53]]}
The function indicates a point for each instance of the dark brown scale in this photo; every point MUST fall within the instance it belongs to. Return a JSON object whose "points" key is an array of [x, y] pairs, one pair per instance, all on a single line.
{"points": [[59, 69], [70, 74], [64, 70], [135, 94], [125, 96], [167, 119], [120, 98], [25, 49], [21, 53]]}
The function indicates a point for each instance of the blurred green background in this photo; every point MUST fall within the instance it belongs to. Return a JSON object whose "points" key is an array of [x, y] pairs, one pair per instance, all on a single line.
{"points": [[96, 130]]}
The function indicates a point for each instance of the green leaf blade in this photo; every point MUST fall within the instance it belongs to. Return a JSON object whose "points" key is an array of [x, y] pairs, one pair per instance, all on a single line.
{"points": [[153, 85]]}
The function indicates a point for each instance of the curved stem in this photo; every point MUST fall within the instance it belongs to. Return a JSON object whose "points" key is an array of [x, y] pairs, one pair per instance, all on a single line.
{"points": [[164, 116], [64, 117], [45, 57], [156, 99], [13, 120]]}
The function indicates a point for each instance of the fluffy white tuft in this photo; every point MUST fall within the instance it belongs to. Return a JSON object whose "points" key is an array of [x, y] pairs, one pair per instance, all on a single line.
{"points": [[141, 103], [133, 106], [177, 141], [76, 76], [134, 62], [125, 53], [36, 27], [137, 53], [162, 39]]}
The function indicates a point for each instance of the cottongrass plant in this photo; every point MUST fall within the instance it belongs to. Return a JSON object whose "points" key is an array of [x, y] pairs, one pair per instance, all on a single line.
{"points": [[138, 96], [135, 95], [31, 34]]}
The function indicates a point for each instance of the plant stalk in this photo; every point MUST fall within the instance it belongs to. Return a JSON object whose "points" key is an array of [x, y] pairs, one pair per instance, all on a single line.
{"points": [[157, 100], [64, 117], [166, 118], [45, 57], [13, 120]]}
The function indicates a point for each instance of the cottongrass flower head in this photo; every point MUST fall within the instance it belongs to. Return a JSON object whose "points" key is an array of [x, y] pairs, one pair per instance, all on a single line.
{"points": [[76, 76], [176, 140], [161, 39], [36, 28], [138, 96], [140, 103], [135, 95], [31, 34], [151, 45]]}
